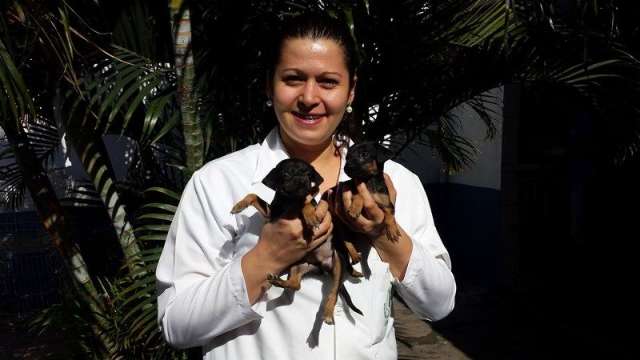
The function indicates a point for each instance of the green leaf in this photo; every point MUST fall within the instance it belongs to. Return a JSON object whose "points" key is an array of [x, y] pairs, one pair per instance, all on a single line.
{"points": [[157, 217], [155, 110], [158, 237], [170, 193], [14, 86], [161, 228], [136, 309], [168, 126], [162, 206]]}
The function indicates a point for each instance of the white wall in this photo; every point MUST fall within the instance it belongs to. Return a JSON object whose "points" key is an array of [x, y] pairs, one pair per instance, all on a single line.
{"points": [[485, 171]]}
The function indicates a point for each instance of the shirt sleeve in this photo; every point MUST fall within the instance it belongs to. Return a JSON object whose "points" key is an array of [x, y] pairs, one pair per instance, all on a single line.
{"points": [[201, 288], [428, 286]]}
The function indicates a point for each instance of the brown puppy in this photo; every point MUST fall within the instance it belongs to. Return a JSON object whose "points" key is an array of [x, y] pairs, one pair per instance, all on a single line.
{"points": [[365, 163], [296, 183]]}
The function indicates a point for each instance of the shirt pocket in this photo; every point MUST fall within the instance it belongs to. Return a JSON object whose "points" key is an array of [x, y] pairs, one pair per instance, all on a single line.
{"points": [[380, 290]]}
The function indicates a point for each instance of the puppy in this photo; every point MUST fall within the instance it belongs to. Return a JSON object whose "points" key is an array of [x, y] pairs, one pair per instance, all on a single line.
{"points": [[365, 163], [296, 183]]}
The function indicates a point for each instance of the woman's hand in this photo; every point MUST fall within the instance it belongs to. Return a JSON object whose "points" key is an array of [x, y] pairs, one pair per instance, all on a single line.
{"points": [[283, 241], [281, 244], [371, 221]]}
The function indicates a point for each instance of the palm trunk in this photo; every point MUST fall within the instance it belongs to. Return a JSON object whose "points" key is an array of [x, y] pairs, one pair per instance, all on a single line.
{"points": [[185, 71], [95, 160]]}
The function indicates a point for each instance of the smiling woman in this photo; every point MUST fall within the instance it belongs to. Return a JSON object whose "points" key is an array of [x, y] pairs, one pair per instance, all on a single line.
{"points": [[311, 89], [213, 273]]}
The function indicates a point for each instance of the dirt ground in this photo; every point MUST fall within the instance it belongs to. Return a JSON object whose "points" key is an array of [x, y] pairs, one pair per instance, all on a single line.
{"points": [[418, 340]]}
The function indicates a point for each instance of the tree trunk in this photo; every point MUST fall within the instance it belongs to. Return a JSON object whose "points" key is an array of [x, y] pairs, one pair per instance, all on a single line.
{"points": [[185, 70], [95, 160]]}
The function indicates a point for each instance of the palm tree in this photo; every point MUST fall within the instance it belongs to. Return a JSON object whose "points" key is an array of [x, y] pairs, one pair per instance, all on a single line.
{"points": [[24, 106], [32, 32]]}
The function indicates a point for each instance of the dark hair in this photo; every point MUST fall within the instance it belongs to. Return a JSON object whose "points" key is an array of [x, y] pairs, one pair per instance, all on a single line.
{"points": [[314, 25], [318, 25]]}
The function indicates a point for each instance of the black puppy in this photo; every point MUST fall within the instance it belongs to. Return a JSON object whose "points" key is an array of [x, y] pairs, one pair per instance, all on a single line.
{"points": [[296, 183], [365, 163]]}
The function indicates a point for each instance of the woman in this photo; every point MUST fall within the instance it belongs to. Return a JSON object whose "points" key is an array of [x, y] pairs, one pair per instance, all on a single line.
{"points": [[212, 275]]}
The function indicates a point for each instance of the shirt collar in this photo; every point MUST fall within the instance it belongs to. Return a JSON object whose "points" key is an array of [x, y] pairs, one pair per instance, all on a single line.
{"points": [[271, 152]]}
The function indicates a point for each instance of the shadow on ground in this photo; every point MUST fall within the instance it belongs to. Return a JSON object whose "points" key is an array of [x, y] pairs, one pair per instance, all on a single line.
{"points": [[489, 324]]}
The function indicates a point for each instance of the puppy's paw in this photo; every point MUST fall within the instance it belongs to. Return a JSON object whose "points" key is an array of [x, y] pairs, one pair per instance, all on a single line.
{"points": [[251, 200], [355, 258], [354, 213], [240, 206], [274, 280], [393, 232], [312, 221], [309, 215], [328, 320], [329, 306], [354, 255], [357, 203]]}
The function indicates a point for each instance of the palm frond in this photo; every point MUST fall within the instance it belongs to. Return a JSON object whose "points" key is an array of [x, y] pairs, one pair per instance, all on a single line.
{"points": [[13, 188], [135, 294], [82, 194], [117, 89], [481, 22], [44, 140], [15, 99], [456, 151], [43, 136]]}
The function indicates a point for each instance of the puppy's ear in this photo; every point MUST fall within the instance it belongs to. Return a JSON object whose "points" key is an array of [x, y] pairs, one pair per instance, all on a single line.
{"points": [[382, 154], [273, 179]]}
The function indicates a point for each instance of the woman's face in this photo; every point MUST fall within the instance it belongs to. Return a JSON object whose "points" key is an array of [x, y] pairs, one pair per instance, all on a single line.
{"points": [[310, 91]]}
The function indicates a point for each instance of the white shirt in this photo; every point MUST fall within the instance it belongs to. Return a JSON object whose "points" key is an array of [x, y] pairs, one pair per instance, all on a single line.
{"points": [[203, 299]]}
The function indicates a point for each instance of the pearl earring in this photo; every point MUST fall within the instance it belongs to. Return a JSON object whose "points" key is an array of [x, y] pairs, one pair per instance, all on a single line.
{"points": [[269, 103], [349, 109]]}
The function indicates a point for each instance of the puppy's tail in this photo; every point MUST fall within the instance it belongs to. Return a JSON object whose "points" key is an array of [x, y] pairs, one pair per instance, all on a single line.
{"points": [[347, 298]]}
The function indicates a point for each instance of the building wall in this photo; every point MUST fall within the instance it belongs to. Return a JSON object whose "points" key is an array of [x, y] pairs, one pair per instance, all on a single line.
{"points": [[486, 169], [467, 205]]}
